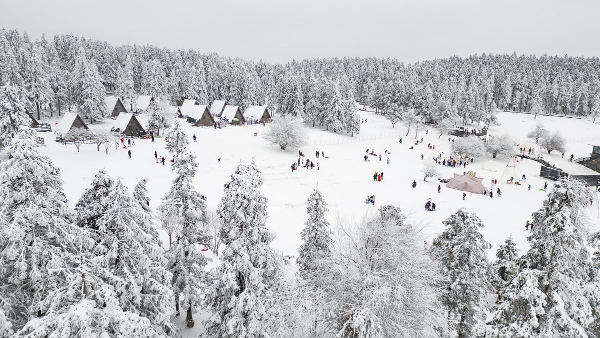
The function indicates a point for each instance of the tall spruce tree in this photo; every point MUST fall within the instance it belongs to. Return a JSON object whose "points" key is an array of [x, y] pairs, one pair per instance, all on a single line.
{"points": [[94, 202], [35, 228], [140, 194], [549, 295], [241, 294], [178, 141], [124, 87], [92, 103], [185, 206], [461, 250], [316, 235], [13, 114], [128, 251]]}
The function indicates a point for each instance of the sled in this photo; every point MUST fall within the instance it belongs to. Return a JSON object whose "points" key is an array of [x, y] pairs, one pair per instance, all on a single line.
{"points": [[326, 156], [541, 189]]}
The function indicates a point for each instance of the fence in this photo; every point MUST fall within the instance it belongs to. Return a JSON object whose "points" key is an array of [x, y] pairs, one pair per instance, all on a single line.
{"points": [[355, 139]]}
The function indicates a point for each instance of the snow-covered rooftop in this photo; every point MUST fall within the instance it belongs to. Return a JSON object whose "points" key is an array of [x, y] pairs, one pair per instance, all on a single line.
{"points": [[229, 112], [143, 101], [122, 121], [217, 107], [65, 124], [196, 112], [110, 102], [186, 107], [255, 112]]}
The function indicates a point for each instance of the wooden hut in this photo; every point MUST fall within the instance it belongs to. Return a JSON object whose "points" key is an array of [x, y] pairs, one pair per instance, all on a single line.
{"points": [[114, 106], [68, 122], [200, 116], [260, 114], [233, 113], [127, 124], [216, 109]]}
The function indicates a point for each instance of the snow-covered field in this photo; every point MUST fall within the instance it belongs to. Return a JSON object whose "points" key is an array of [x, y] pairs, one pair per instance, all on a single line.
{"points": [[344, 178]]}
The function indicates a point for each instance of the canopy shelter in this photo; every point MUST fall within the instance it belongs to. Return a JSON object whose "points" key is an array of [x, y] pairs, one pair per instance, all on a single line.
{"points": [[467, 183]]}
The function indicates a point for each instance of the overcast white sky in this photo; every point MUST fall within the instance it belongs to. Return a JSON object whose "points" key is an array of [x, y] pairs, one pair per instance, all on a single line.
{"points": [[282, 30]]}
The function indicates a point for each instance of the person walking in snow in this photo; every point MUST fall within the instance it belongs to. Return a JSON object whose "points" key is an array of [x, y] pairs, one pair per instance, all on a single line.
{"points": [[421, 156], [499, 193], [414, 184], [380, 157], [317, 154], [129, 153], [545, 186], [129, 142], [366, 158], [378, 177], [464, 195], [322, 154], [491, 194], [194, 137], [375, 177], [382, 175], [439, 188], [155, 156], [162, 159], [388, 160], [527, 225], [400, 141]]}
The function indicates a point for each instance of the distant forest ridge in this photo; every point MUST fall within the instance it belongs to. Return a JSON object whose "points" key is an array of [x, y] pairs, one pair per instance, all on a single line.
{"points": [[464, 87]]}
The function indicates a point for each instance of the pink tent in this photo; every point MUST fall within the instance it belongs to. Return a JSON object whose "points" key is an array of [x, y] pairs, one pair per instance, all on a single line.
{"points": [[467, 183]]}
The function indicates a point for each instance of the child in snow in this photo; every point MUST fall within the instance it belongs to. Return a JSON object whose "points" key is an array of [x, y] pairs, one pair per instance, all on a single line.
{"points": [[129, 153], [499, 193], [414, 184], [527, 225], [382, 175], [388, 160], [155, 157], [439, 188], [464, 195], [194, 137], [375, 176]]}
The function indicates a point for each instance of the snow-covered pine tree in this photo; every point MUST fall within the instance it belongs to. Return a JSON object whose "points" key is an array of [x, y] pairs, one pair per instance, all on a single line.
{"points": [[241, 294], [158, 118], [86, 306], [94, 201], [9, 66], [154, 79], [316, 236], [336, 115], [124, 87], [505, 267], [92, 103], [38, 84], [186, 207], [470, 146], [461, 250], [128, 249], [140, 194], [35, 228], [548, 297], [13, 114], [352, 121], [178, 141]]}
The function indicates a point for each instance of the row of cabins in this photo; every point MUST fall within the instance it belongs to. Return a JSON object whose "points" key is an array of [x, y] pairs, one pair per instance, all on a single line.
{"points": [[199, 115]]}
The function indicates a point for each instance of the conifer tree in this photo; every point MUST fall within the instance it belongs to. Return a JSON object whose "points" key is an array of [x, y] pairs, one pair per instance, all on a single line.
{"points": [[13, 114], [178, 141], [505, 267], [140, 194], [158, 118], [92, 104], [127, 247], [461, 250], [241, 294], [186, 207], [549, 295], [35, 227], [154, 79], [316, 235], [94, 201], [124, 87], [39, 81]]}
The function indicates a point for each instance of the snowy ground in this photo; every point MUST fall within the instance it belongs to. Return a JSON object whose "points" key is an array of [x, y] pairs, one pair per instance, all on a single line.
{"points": [[344, 178]]}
